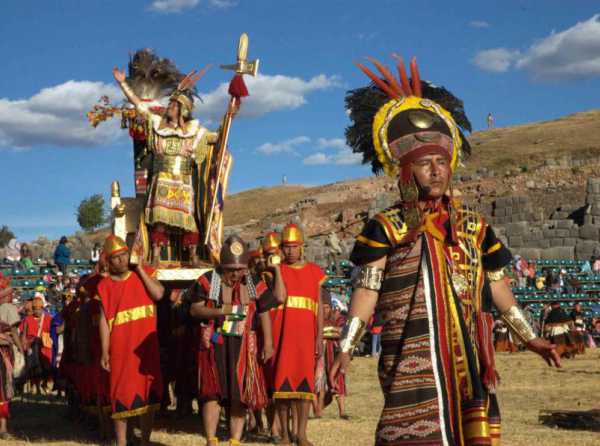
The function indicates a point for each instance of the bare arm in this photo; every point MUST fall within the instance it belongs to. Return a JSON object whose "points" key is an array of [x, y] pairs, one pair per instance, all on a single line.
{"points": [[502, 296], [104, 341], [265, 323], [154, 287], [363, 301], [127, 91], [279, 289], [14, 333], [199, 310], [362, 306], [320, 323], [504, 299]]}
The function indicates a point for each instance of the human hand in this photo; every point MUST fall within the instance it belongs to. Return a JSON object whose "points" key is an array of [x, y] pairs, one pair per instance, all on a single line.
{"points": [[119, 75], [105, 362], [546, 350], [267, 353], [340, 365], [319, 347]]}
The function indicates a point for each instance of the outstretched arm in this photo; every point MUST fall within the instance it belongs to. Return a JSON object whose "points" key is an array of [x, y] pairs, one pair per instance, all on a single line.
{"points": [[127, 91], [506, 303]]}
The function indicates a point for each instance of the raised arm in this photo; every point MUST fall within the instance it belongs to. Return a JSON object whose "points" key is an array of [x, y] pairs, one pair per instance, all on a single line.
{"points": [[127, 91], [154, 287]]}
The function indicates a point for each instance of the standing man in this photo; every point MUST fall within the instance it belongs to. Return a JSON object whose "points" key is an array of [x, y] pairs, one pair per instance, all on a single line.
{"points": [[432, 267], [9, 336], [228, 301], [297, 335], [129, 339]]}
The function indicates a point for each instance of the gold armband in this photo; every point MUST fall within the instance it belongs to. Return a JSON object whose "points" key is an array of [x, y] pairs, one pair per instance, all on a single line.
{"points": [[369, 277], [352, 333], [495, 276], [518, 325]]}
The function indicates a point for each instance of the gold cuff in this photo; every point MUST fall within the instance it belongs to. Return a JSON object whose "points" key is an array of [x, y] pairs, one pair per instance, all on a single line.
{"points": [[495, 276], [369, 277], [352, 333], [518, 325]]}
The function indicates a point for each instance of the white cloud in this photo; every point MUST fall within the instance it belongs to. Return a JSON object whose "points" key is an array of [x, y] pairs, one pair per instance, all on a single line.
{"points": [[479, 24], [570, 54], [342, 158], [56, 117], [333, 143], [497, 60], [223, 3], [173, 6], [268, 93], [287, 146]]}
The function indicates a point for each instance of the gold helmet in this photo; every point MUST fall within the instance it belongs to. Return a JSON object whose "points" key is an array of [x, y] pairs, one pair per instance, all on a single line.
{"points": [[271, 242], [114, 245], [292, 235]]}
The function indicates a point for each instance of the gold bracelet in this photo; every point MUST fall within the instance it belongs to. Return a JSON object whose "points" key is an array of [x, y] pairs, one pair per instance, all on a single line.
{"points": [[352, 333], [516, 321], [495, 276], [368, 277]]}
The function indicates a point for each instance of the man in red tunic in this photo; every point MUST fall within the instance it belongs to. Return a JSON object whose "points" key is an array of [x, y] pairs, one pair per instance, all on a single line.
{"points": [[35, 333], [297, 336], [129, 339]]}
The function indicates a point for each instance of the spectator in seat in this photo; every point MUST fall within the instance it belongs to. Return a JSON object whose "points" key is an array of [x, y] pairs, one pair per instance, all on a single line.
{"points": [[62, 255]]}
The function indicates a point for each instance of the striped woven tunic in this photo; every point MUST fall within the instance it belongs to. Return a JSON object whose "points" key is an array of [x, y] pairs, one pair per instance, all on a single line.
{"points": [[436, 368]]}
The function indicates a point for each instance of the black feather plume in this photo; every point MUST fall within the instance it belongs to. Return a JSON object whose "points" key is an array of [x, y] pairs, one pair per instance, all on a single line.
{"points": [[363, 104]]}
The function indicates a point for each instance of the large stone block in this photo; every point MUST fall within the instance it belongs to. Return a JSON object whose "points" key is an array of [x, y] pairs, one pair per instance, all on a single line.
{"points": [[555, 241], [543, 243], [515, 241], [561, 252], [589, 232], [529, 253], [569, 241], [502, 202], [564, 224], [520, 228], [562, 232]]}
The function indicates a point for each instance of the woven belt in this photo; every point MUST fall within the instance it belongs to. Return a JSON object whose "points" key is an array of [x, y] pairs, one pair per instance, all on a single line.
{"points": [[176, 165]]}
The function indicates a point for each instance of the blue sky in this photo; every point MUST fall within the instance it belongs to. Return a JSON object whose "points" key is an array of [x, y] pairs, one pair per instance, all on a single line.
{"points": [[522, 60]]}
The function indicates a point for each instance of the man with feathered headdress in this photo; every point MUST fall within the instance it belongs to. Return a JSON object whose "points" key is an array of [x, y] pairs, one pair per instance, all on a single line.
{"points": [[178, 143], [432, 267]]}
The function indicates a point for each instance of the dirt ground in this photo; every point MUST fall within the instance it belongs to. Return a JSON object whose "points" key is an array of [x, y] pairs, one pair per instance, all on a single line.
{"points": [[528, 387]]}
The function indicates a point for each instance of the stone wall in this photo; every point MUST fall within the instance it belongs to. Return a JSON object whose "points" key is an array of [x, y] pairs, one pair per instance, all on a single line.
{"points": [[570, 232]]}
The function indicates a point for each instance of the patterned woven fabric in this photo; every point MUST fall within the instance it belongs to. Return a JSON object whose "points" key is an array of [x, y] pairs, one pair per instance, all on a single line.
{"points": [[410, 414]]}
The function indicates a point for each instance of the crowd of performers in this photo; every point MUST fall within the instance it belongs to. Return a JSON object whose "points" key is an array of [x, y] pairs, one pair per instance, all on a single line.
{"points": [[253, 338]]}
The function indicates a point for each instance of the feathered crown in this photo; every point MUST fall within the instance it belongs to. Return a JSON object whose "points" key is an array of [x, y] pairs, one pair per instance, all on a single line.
{"points": [[395, 120], [152, 77]]}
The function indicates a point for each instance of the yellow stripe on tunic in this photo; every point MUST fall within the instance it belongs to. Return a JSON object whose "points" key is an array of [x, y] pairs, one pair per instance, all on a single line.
{"points": [[133, 314], [301, 303]]}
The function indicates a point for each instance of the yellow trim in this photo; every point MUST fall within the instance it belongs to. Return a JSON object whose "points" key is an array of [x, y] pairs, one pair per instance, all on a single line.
{"points": [[135, 412], [133, 314], [302, 303], [494, 248], [371, 243], [294, 396]]}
